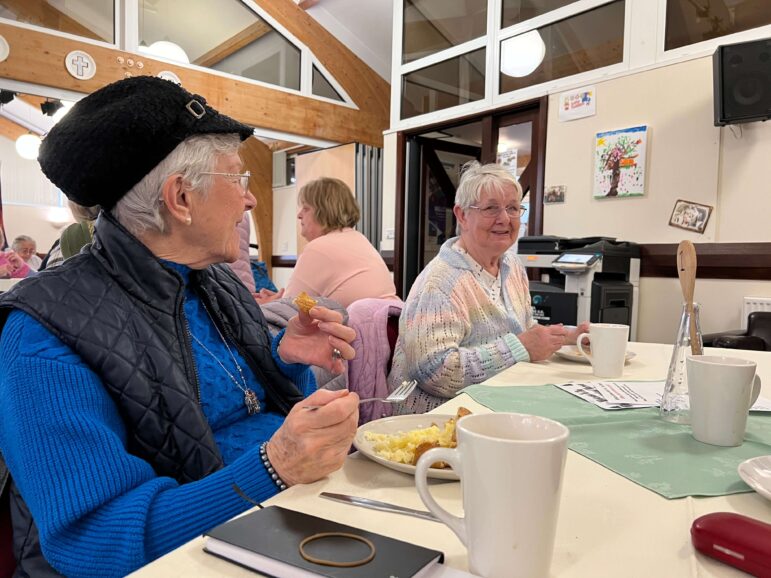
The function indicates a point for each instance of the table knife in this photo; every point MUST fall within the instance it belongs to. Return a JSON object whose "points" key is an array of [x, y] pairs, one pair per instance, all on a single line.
{"points": [[376, 505]]}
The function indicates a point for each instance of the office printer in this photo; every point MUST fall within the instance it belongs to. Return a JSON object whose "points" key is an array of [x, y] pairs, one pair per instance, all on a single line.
{"points": [[586, 279]]}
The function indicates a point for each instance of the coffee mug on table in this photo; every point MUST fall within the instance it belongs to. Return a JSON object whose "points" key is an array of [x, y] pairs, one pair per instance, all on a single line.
{"points": [[510, 466], [721, 390], [608, 346]]}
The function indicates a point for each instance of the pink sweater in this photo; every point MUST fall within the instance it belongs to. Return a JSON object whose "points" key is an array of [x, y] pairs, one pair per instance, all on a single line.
{"points": [[343, 266]]}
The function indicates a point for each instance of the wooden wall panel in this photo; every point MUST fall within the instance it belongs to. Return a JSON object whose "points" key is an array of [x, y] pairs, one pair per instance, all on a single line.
{"points": [[38, 57], [258, 159]]}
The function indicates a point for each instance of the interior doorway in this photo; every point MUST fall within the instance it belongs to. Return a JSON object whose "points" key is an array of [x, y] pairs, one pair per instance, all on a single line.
{"points": [[430, 162]]}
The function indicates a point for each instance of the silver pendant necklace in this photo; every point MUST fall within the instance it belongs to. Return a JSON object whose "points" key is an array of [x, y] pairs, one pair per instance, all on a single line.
{"points": [[250, 398]]}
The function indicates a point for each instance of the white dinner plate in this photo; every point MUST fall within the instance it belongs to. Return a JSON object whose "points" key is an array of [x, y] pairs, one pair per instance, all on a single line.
{"points": [[401, 424], [756, 472], [571, 353]]}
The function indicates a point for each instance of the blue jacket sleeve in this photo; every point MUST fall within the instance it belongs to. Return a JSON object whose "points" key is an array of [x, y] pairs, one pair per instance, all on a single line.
{"points": [[65, 445]]}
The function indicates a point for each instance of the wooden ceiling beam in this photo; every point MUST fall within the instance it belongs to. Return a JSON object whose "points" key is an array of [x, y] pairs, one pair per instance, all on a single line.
{"points": [[367, 89], [233, 44], [38, 57], [41, 13]]}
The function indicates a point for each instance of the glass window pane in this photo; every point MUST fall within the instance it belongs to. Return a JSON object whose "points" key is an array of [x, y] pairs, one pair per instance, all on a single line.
{"points": [[433, 25], [237, 41], [691, 21], [449, 83], [590, 40], [516, 11], [94, 19], [322, 87]]}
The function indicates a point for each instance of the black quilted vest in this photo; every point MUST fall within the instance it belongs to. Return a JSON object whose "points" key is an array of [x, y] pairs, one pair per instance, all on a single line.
{"points": [[121, 310]]}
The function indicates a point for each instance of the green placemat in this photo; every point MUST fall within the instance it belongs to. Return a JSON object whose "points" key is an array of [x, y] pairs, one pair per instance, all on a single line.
{"points": [[636, 443]]}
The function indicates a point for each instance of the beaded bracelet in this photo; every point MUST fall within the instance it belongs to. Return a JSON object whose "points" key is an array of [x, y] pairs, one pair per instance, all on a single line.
{"points": [[268, 466]]}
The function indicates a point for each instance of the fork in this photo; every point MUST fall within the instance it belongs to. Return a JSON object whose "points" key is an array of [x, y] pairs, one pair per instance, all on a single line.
{"points": [[396, 396]]}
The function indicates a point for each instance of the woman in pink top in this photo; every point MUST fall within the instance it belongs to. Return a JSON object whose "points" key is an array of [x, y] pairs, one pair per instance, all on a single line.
{"points": [[338, 262]]}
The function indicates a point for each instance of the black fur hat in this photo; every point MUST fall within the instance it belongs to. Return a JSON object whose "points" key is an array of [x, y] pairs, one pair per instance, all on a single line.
{"points": [[113, 137]]}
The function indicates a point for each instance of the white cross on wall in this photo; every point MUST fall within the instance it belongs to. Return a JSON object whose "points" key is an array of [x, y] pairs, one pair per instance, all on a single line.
{"points": [[81, 64]]}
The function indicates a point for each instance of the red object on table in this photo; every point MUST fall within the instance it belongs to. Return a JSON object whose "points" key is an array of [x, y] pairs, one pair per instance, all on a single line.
{"points": [[734, 539]]}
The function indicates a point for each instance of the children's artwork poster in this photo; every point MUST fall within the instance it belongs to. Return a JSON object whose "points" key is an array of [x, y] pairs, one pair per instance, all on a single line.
{"points": [[619, 162], [508, 159], [578, 103]]}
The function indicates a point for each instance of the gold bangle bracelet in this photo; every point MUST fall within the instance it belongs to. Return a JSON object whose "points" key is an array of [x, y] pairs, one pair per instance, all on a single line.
{"points": [[333, 563]]}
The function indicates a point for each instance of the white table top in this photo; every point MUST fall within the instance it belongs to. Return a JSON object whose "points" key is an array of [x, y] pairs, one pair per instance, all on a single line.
{"points": [[608, 525]]}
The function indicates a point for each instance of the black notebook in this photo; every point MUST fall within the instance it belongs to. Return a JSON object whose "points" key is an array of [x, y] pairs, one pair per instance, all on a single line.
{"points": [[268, 541]]}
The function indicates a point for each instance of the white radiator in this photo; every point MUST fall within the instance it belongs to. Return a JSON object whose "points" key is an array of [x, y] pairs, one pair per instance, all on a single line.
{"points": [[754, 304]]}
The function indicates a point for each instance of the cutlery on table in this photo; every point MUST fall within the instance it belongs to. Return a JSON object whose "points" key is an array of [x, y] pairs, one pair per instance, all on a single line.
{"points": [[377, 505]]}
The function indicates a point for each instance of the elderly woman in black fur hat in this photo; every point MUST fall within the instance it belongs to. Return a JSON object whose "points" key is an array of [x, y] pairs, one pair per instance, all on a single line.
{"points": [[144, 400]]}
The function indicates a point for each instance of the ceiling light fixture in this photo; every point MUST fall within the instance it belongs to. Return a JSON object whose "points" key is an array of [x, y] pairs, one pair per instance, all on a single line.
{"points": [[167, 50], [521, 55], [27, 145], [50, 106], [6, 96]]}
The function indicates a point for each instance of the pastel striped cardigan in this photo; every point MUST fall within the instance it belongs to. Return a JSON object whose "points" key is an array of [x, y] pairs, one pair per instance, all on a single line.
{"points": [[450, 332]]}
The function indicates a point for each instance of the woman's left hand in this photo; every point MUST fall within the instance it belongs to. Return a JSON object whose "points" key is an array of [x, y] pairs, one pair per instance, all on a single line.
{"points": [[316, 339]]}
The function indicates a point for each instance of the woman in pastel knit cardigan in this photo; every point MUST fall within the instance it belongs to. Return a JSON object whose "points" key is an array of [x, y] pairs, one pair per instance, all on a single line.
{"points": [[468, 314]]}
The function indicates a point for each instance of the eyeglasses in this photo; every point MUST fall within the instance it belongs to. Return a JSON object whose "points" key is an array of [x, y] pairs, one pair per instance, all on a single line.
{"points": [[240, 179], [494, 210]]}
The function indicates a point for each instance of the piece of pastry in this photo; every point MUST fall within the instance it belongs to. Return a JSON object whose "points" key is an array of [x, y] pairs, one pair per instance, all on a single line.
{"points": [[305, 302]]}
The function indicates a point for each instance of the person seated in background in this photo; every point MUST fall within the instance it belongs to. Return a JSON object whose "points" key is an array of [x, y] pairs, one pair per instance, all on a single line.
{"points": [[468, 314], [243, 268], [12, 266], [26, 248], [144, 399], [338, 262], [75, 236]]}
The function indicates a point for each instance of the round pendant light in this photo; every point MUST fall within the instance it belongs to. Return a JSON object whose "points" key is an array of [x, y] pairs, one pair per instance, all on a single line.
{"points": [[521, 55]]}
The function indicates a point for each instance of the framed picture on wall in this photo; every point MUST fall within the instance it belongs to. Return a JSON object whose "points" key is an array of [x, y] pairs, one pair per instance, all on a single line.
{"points": [[690, 216], [619, 162], [554, 194]]}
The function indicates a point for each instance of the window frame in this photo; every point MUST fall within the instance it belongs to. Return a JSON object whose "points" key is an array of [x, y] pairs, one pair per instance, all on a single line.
{"points": [[126, 28], [644, 29]]}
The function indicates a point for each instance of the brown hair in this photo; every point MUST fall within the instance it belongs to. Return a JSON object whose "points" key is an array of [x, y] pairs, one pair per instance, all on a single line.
{"points": [[333, 203]]}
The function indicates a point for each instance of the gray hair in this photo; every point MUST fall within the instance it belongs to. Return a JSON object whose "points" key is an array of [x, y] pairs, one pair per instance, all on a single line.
{"points": [[139, 210], [22, 239], [477, 177]]}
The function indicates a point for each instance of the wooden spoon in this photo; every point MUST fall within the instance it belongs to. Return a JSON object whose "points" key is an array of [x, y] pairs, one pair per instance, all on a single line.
{"points": [[686, 271]]}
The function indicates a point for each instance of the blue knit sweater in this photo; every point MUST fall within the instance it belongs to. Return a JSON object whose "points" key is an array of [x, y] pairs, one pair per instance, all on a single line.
{"points": [[100, 510]]}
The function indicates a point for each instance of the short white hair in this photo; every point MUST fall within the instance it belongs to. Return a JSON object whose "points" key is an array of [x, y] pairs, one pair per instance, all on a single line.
{"points": [[476, 177], [139, 210]]}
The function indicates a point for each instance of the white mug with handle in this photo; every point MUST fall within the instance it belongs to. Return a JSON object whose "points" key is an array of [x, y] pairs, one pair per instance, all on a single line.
{"points": [[510, 467], [721, 390], [608, 343]]}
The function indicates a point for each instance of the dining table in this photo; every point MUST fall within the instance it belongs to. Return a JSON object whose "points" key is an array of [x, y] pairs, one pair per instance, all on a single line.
{"points": [[608, 525]]}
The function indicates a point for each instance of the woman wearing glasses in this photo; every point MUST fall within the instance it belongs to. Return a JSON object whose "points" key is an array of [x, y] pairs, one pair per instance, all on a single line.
{"points": [[468, 314], [144, 399]]}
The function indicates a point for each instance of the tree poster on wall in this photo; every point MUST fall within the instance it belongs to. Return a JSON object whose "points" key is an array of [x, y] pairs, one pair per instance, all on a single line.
{"points": [[619, 162]]}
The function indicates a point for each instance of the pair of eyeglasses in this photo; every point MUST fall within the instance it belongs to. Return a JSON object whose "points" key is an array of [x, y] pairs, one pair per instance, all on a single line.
{"points": [[493, 211], [240, 179]]}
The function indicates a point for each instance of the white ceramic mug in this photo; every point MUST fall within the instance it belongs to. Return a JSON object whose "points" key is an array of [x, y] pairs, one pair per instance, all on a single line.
{"points": [[608, 345], [721, 390], [510, 466]]}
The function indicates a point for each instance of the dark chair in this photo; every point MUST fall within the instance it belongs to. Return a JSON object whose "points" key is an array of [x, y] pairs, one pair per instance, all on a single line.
{"points": [[756, 337]]}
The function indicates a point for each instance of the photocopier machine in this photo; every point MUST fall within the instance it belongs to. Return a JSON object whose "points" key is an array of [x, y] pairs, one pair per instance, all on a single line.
{"points": [[593, 279]]}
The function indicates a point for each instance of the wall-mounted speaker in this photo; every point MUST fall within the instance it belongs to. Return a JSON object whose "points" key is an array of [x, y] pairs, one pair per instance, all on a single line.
{"points": [[742, 82]]}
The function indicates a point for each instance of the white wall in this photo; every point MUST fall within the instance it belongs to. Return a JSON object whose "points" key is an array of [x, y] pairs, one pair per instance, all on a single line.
{"points": [[688, 158], [23, 179]]}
